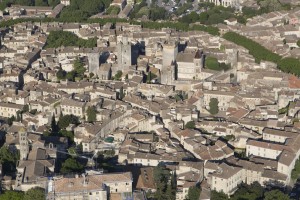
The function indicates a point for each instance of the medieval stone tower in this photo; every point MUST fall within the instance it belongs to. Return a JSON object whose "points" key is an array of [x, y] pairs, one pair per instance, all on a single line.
{"points": [[24, 146], [170, 51], [94, 62], [124, 56]]}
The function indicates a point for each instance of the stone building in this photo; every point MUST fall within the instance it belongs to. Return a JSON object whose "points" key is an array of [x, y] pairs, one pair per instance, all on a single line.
{"points": [[94, 62], [170, 51], [124, 54], [94, 186], [189, 65], [24, 147]]}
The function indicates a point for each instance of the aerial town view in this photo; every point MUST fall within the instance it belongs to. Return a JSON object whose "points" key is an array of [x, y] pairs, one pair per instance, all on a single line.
{"points": [[149, 99]]}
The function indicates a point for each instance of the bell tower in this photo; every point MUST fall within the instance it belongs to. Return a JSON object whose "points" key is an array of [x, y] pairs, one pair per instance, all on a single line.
{"points": [[24, 147]]}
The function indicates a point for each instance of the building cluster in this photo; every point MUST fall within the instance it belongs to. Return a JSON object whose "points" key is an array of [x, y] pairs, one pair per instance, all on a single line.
{"points": [[146, 88], [277, 31]]}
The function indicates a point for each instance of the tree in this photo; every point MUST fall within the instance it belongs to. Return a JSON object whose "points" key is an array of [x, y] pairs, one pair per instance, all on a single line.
{"points": [[71, 165], [64, 38], [71, 75], [170, 193], [296, 171], [40, 3], [259, 52], [79, 68], [248, 192], [8, 159], [193, 193], [54, 126], [118, 75], [11, 194], [150, 76], [33, 112], [53, 3], [157, 13], [190, 125], [161, 177], [11, 120], [61, 74], [91, 113], [214, 106], [25, 2], [25, 109], [298, 43], [19, 116], [121, 94], [218, 195], [35, 193], [66, 120], [275, 195], [68, 134]]}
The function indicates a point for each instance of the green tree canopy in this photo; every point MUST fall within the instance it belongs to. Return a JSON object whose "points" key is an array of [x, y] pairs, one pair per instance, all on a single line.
{"points": [[218, 195], [164, 188], [91, 113], [248, 192], [298, 43], [12, 195], [71, 165], [275, 195], [68, 134], [64, 38], [54, 127], [81, 10], [8, 159], [66, 120], [36, 193], [194, 193], [61, 74], [190, 125], [214, 106], [296, 171], [118, 75]]}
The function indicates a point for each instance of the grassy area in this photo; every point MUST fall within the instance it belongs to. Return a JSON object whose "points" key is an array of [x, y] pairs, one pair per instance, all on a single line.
{"points": [[213, 64]]}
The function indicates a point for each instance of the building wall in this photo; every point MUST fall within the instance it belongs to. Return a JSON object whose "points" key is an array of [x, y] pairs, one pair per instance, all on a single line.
{"points": [[262, 152], [223, 100], [6, 111], [124, 54], [119, 187], [274, 138], [251, 176], [68, 110], [94, 62], [228, 186], [186, 70], [225, 3], [91, 195]]}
